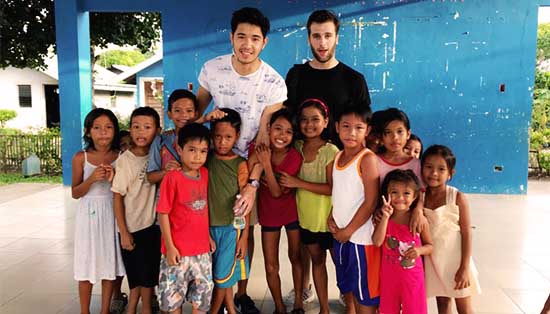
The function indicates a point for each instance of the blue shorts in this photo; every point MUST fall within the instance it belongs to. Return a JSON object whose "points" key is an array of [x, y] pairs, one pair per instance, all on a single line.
{"points": [[227, 269], [353, 274]]}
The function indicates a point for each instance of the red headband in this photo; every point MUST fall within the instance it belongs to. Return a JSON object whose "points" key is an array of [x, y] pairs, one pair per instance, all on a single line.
{"points": [[315, 100]]}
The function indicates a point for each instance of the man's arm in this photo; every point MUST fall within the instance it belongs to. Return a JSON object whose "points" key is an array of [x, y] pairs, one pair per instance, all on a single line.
{"points": [[203, 99], [263, 137]]}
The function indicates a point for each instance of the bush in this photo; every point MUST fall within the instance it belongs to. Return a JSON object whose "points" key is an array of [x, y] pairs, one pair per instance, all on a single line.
{"points": [[6, 115], [544, 160]]}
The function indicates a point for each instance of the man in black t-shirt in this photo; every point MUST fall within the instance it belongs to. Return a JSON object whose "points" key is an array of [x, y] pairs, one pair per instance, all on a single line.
{"points": [[325, 77], [338, 86]]}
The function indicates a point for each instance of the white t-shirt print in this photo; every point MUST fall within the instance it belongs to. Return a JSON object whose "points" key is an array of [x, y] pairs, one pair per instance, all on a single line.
{"points": [[248, 95]]}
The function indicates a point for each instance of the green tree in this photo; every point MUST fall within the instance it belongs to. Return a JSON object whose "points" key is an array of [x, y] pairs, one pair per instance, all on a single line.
{"points": [[543, 42], [5, 116], [27, 31], [122, 57]]}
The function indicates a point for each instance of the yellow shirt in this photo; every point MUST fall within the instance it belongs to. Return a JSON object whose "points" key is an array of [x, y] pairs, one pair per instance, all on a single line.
{"points": [[313, 209]]}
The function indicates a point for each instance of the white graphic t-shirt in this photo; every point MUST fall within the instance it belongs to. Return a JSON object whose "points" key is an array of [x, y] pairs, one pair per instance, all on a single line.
{"points": [[248, 95]]}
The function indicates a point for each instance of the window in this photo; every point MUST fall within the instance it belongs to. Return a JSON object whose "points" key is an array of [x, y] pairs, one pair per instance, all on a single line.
{"points": [[25, 99]]}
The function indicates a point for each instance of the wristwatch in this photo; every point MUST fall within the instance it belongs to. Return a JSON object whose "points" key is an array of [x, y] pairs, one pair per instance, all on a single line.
{"points": [[255, 183]]}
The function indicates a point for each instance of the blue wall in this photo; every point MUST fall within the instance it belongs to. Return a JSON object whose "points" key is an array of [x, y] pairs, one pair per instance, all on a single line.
{"points": [[442, 62]]}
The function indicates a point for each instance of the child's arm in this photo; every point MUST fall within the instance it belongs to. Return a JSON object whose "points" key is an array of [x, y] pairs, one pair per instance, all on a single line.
{"points": [[212, 115], [379, 234], [462, 277], [418, 220], [126, 238], [371, 180], [79, 186], [155, 177], [426, 247], [172, 254], [248, 192], [263, 135], [155, 171], [242, 243], [264, 156], [291, 182], [331, 224]]}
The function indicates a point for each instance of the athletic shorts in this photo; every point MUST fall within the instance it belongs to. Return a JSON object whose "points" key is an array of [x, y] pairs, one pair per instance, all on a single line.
{"points": [[226, 267], [290, 226], [358, 271], [189, 280], [142, 263], [323, 239]]}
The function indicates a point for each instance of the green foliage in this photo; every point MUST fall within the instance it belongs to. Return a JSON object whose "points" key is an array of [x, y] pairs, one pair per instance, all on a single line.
{"points": [[122, 57], [10, 131], [540, 117], [544, 160], [9, 178], [123, 123], [542, 80], [6, 115], [543, 42], [27, 29]]}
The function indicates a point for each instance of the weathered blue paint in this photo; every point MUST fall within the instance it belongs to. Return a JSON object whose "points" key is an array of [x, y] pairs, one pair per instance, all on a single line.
{"points": [[440, 61], [75, 83]]}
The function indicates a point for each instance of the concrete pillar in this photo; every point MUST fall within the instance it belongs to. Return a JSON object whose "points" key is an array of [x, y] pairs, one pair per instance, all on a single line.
{"points": [[75, 80]]}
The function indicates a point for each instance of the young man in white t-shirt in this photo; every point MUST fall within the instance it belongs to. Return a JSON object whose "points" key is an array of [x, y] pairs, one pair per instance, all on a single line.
{"points": [[244, 83]]}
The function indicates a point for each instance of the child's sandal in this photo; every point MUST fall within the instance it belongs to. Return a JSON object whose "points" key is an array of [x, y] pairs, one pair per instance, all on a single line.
{"points": [[298, 311]]}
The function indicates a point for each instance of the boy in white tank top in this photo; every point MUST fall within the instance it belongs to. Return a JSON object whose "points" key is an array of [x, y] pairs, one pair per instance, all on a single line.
{"points": [[354, 181]]}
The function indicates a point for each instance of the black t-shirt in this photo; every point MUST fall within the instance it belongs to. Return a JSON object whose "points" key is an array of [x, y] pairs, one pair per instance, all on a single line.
{"points": [[338, 87]]}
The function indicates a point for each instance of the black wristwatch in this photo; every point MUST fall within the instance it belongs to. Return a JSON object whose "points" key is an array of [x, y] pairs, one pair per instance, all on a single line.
{"points": [[255, 183]]}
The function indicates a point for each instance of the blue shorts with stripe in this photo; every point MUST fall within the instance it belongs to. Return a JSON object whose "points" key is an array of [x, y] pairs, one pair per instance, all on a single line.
{"points": [[358, 271], [226, 268]]}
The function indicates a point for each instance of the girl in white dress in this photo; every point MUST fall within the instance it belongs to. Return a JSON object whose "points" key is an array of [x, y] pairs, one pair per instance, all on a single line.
{"points": [[450, 270], [96, 248]]}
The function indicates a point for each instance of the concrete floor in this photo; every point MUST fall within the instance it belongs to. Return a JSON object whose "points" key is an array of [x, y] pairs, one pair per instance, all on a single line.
{"points": [[36, 231]]}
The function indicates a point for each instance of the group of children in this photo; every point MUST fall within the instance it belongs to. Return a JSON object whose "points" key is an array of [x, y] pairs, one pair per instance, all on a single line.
{"points": [[162, 212]]}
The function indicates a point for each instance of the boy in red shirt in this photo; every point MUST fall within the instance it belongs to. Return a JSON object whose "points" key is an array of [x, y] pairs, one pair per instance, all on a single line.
{"points": [[186, 265]]}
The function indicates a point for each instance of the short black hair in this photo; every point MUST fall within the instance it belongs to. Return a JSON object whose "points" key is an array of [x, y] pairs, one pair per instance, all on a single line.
{"points": [[415, 137], [251, 16], [323, 109], [89, 122], [402, 176], [180, 94], [362, 111], [393, 114], [322, 16], [123, 133], [146, 111], [282, 113], [193, 131], [231, 116], [440, 150]]}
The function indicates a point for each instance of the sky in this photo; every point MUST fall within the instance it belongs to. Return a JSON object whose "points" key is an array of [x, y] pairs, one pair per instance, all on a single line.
{"points": [[544, 15]]}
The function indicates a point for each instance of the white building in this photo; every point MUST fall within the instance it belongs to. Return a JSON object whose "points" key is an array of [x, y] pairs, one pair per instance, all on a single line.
{"points": [[33, 94]]}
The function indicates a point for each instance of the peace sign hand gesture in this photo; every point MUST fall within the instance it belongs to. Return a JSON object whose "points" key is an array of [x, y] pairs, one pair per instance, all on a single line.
{"points": [[387, 209]]}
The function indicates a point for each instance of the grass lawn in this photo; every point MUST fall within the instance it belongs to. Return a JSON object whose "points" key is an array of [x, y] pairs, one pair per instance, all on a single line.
{"points": [[9, 178]]}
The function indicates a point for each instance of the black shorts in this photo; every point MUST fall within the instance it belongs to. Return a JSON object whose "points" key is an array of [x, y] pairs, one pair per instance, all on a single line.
{"points": [[323, 239], [143, 262], [290, 226]]}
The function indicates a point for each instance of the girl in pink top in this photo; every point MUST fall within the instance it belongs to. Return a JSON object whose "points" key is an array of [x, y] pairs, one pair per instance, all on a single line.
{"points": [[402, 288], [277, 206], [394, 129]]}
